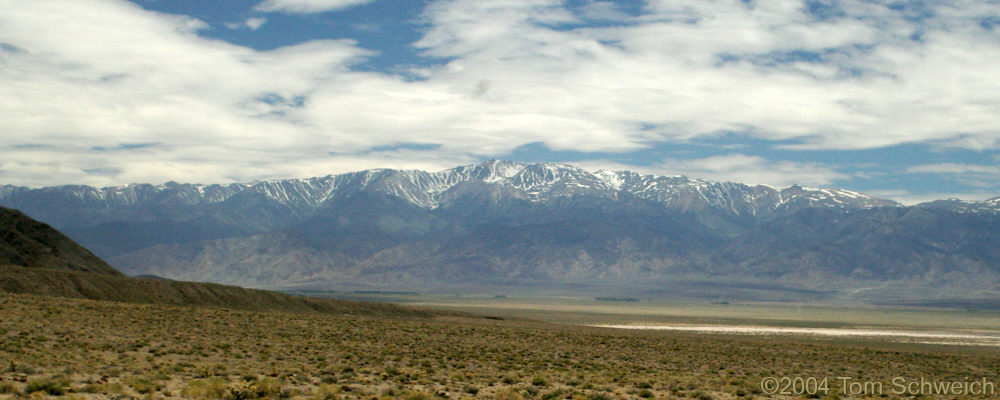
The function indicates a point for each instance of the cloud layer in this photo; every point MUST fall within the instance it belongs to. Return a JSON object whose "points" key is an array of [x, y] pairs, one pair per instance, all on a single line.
{"points": [[104, 92]]}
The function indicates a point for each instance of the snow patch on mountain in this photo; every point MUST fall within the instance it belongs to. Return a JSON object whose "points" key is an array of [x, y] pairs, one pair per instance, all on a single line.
{"points": [[540, 182]]}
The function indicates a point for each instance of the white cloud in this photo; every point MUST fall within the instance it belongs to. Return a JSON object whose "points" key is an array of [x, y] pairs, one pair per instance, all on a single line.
{"points": [[975, 175], [82, 86], [755, 170], [908, 198], [255, 23], [201, 164], [954, 168], [876, 87], [79, 74], [250, 23], [307, 6], [741, 168]]}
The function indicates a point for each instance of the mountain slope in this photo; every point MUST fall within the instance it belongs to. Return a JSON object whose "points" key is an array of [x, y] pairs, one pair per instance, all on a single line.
{"points": [[284, 200], [28, 243], [509, 226], [78, 284], [36, 259]]}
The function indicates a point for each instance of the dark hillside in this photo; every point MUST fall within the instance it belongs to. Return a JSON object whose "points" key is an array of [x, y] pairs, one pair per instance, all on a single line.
{"points": [[36, 259], [28, 243], [78, 284]]}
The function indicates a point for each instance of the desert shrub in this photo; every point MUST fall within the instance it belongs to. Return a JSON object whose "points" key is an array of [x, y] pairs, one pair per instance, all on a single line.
{"points": [[145, 385], [598, 396], [53, 386], [102, 388], [242, 390], [553, 394], [7, 388], [326, 392], [252, 388], [24, 369], [209, 388], [508, 394], [470, 389], [416, 396], [268, 387], [701, 395], [538, 381], [645, 393]]}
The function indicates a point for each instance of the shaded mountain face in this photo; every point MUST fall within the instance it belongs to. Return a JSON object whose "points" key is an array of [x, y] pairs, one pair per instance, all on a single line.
{"points": [[36, 259], [25, 242], [533, 229]]}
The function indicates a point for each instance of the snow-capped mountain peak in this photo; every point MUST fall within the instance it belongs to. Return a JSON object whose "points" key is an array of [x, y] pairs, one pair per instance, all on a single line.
{"points": [[539, 182]]}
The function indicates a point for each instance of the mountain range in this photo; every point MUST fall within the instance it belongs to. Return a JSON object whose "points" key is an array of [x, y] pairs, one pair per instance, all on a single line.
{"points": [[536, 229]]}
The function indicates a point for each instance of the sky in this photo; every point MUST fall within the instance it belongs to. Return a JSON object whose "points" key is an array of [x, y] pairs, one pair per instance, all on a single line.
{"points": [[898, 99]]}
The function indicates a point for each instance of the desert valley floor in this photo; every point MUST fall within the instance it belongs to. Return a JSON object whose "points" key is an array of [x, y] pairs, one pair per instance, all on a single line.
{"points": [[87, 349]]}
